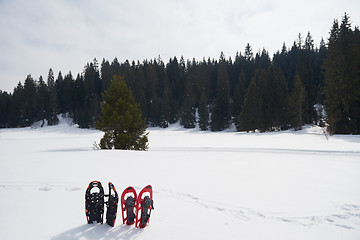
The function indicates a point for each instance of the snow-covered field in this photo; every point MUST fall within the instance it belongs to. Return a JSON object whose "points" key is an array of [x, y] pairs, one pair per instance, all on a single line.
{"points": [[223, 185]]}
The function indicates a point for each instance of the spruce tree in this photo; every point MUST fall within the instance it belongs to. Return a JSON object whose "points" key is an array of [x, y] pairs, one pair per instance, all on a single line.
{"points": [[81, 111], [280, 99], [249, 55], [105, 74], [51, 104], [5, 100], [342, 79], [297, 103], [93, 88], [305, 68], [220, 114], [249, 117], [120, 119], [16, 114], [41, 99], [188, 118], [29, 101], [140, 89], [165, 108], [203, 112], [264, 103], [239, 96]]}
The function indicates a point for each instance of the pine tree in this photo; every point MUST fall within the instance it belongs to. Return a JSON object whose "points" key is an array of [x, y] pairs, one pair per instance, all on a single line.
{"points": [[220, 113], [93, 88], [188, 118], [297, 102], [262, 60], [81, 108], [41, 99], [305, 67], [121, 119], [249, 55], [105, 74], [264, 101], [342, 79], [280, 99], [203, 112], [250, 114], [309, 42], [152, 93], [175, 75], [60, 93], [140, 89], [16, 114], [67, 93], [239, 96], [29, 101], [5, 100], [51, 104], [165, 108]]}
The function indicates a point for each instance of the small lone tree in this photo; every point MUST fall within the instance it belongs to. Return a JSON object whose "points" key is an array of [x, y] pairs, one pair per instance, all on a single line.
{"points": [[121, 119]]}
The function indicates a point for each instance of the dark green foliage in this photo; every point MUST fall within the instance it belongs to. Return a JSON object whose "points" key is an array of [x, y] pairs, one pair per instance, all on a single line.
{"points": [[342, 79], [297, 104], [306, 60], [203, 113], [121, 119], [251, 91], [266, 103], [249, 117], [29, 107], [50, 103], [106, 74], [92, 90], [5, 100], [238, 99], [16, 114], [188, 118], [166, 109], [41, 98], [306, 68], [220, 111], [279, 103]]}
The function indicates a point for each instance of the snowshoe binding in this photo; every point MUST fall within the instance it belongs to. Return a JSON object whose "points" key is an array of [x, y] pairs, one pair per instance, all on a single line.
{"points": [[112, 205], [94, 202], [128, 201], [144, 205]]}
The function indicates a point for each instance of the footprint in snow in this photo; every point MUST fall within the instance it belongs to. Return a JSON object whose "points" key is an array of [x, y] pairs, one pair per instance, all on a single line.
{"points": [[72, 189]]}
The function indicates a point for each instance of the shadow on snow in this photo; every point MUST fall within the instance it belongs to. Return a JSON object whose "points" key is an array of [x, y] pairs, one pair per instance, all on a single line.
{"points": [[99, 231]]}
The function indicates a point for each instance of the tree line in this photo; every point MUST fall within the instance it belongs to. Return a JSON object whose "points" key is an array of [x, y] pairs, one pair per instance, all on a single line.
{"points": [[252, 91]]}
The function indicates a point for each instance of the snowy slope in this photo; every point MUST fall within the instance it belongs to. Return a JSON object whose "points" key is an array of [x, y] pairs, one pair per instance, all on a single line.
{"points": [[223, 185]]}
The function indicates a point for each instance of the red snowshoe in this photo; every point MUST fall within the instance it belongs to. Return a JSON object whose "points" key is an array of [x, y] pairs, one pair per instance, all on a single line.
{"points": [[128, 200], [144, 205]]}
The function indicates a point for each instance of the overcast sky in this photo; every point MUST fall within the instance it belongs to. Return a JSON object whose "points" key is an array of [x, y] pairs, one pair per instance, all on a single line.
{"points": [[66, 34]]}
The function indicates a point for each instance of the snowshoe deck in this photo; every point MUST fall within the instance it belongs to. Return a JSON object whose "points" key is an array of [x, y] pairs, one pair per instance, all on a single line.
{"points": [[128, 201], [112, 205], [144, 205], [94, 202]]}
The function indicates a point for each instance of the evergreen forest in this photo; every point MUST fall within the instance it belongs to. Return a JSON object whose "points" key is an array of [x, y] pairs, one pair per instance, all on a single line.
{"points": [[301, 84]]}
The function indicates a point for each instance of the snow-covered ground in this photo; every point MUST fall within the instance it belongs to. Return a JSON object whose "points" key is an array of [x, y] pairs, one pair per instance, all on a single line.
{"points": [[207, 185]]}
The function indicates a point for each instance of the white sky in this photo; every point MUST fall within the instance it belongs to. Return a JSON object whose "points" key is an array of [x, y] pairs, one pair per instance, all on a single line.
{"points": [[65, 34]]}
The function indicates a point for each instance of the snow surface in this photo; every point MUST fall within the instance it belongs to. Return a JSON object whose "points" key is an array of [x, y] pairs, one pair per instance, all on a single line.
{"points": [[207, 185]]}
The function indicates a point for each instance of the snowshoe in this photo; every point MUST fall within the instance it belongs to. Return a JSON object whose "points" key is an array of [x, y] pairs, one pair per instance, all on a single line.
{"points": [[94, 202], [112, 205], [144, 205], [128, 201]]}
